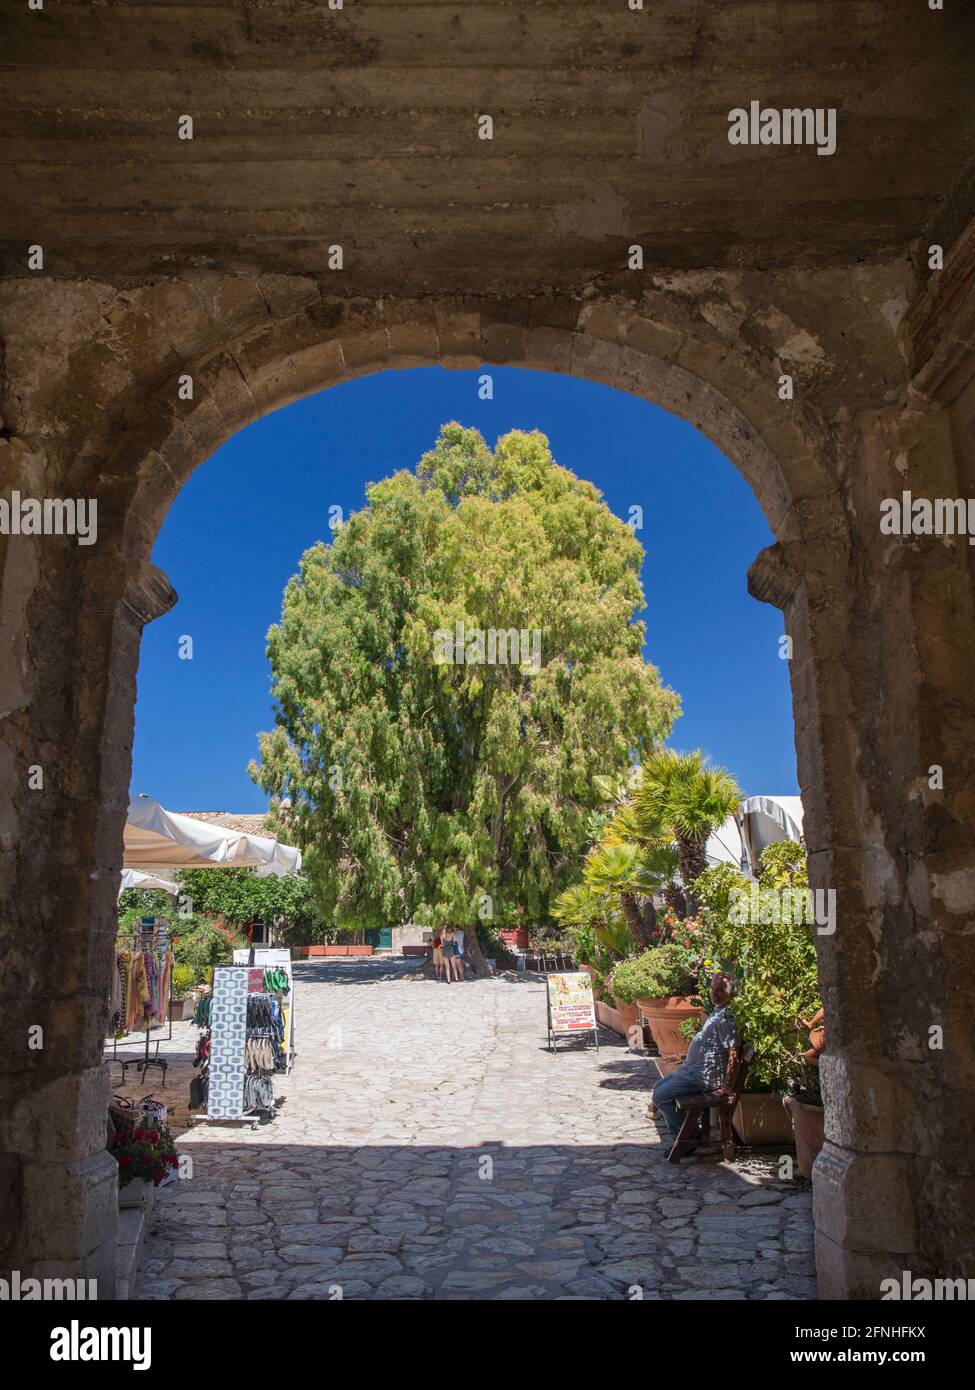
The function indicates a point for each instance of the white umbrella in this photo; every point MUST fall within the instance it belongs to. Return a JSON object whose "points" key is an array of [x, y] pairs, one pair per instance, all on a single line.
{"points": [[135, 878], [157, 838]]}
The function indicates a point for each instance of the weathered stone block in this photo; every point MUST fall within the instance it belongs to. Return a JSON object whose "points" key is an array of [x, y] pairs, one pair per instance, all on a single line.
{"points": [[864, 1202]]}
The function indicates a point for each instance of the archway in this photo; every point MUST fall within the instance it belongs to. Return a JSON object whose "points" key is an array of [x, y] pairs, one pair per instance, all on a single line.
{"points": [[694, 347]]}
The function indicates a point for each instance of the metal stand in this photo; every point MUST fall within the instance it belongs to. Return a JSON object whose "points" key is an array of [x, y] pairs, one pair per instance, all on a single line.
{"points": [[143, 1063], [553, 1037]]}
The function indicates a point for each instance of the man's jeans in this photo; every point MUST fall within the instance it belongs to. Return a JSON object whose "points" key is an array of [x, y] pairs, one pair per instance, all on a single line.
{"points": [[685, 1081]]}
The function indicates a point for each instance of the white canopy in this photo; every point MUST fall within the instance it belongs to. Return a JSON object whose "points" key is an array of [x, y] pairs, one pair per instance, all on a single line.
{"points": [[135, 878], [157, 838], [759, 821]]}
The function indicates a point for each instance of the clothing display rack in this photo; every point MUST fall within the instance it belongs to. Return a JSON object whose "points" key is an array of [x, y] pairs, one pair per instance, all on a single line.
{"points": [[247, 1039], [143, 991]]}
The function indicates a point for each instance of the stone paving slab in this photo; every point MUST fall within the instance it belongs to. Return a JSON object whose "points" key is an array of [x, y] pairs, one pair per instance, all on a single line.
{"points": [[428, 1146]]}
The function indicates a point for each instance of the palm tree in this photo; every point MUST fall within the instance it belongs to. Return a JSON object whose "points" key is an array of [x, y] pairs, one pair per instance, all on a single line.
{"points": [[684, 796], [632, 872], [580, 906]]}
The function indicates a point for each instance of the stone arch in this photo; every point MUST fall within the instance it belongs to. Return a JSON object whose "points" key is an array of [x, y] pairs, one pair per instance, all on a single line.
{"points": [[241, 371], [102, 414]]}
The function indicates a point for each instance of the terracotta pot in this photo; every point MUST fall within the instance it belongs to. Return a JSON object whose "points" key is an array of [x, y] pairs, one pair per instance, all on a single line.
{"points": [[629, 1014], [761, 1118], [620, 1017], [664, 1017], [807, 1128]]}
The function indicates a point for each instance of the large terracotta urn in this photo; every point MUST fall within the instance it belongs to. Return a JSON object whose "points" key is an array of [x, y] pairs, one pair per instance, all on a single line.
{"points": [[664, 1017], [807, 1127]]}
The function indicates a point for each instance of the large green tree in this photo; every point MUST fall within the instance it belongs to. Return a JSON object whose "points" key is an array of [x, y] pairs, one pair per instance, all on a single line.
{"points": [[437, 790]]}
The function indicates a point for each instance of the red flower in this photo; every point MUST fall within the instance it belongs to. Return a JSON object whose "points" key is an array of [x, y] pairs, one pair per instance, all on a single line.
{"points": [[153, 1136], [125, 1161], [138, 1136]]}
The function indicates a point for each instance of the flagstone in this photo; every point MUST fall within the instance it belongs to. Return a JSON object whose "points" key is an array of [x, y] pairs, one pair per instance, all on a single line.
{"points": [[372, 1181]]}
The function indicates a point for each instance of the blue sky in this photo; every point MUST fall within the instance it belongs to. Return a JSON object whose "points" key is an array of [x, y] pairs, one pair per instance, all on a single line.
{"points": [[234, 535]]}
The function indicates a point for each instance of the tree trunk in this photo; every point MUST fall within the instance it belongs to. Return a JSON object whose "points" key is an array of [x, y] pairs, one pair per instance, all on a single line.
{"points": [[675, 898], [473, 955], [693, 862], [634, 921]]}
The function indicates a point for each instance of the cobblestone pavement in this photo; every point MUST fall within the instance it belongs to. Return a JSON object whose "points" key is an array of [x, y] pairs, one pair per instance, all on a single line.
{"points": [[429, 1146]]}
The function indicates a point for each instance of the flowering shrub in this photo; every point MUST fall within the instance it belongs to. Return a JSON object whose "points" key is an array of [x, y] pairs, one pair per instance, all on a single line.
{"points": [[661, 971], [148, 1153]]}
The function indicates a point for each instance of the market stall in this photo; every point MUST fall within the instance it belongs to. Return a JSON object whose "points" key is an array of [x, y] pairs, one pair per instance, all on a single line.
{"points": [[247, 1019]]}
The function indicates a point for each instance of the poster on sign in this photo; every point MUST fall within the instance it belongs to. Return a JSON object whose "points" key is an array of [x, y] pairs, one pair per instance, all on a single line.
{"points": [[571, 1008]]}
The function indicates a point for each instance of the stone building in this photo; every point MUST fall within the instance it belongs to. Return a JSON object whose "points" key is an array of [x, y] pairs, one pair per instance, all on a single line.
{"points": [[339, 210]]}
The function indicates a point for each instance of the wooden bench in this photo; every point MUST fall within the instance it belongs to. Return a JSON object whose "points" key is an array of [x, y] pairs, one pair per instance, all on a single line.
{"points": [[697, 1110]]}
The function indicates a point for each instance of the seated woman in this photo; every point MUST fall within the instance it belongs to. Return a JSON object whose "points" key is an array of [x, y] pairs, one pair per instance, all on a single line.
{"points": [[706, 1064]]}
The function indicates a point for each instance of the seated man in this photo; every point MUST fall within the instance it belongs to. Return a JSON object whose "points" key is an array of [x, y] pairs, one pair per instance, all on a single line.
{"points": [[706, 1064]]}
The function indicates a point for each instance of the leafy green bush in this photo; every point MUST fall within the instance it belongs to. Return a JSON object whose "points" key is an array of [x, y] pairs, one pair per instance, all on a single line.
{"points": [[661, 971], [184, 978], [771, 956], [805, 1085], [238, 896], [141, 902], [585, 947], [198, 945], [783, 865]]}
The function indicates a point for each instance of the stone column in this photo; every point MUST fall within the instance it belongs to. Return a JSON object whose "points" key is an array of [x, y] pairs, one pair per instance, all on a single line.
{"points": [[884, 697], [70, 620]]}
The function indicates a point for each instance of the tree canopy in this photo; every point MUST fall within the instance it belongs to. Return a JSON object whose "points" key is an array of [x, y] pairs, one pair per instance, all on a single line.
{"points": [[239, 896], [452, 673]]}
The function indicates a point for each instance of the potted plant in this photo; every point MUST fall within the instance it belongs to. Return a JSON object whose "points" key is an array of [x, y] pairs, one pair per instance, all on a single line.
{"points": [[144, 1157], [805, 1099], [184, 978], [804, 1105], [760, 933], [659, 983]]}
